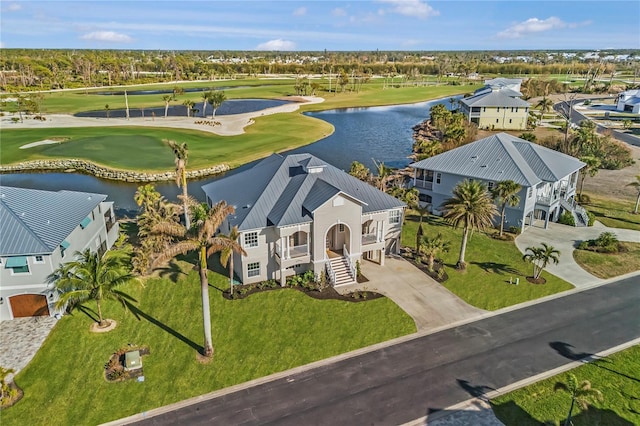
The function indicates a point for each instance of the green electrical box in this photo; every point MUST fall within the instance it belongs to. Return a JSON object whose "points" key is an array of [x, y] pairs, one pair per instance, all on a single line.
{"points": [[132, 360]]}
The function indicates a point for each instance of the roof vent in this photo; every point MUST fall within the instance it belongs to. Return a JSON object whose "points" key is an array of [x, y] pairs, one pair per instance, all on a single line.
{"points": [[473, 157], [484, 165], [22, 214], [247, 206]]}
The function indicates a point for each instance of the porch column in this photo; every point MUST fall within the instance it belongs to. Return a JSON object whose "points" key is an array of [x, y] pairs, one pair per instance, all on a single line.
{"points": [[382, 257], [288, 248], [546, 219]]}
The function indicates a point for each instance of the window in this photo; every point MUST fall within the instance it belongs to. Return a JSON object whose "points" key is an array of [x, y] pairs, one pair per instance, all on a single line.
{"points": [[438, 177], [484, 109], [253, 269], [251, 239], [498, 109], [425, 198], [394, 216], [341, 227], [17, 264], [516, 109], [497, 120], [38, 259], [63, 246], [509, 120], [489, 186], [529, 192]]}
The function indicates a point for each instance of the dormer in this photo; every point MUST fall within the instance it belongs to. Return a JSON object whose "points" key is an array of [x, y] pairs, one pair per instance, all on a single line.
{"points": [[312, 165]]}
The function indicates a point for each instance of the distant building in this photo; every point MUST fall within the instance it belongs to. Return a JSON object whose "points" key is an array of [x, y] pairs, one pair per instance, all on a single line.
{"points": [[497, 105], [39, 230], [629, 101]]}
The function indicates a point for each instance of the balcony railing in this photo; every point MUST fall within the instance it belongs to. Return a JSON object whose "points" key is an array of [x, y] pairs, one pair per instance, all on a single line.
{"points": [[293, 252], [424, 184], [547, 201], [370, 239]]}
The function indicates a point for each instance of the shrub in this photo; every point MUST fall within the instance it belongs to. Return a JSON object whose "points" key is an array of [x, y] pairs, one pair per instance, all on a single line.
{"points": [[515, 230], [606, 239], [592, 218], [566, 218]]}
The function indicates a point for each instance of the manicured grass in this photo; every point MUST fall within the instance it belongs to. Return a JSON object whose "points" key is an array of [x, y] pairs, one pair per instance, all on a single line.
{"points": [[253, 337], [145, 150], [609, 265], [615, 376], [490, 264], [614, 212]]}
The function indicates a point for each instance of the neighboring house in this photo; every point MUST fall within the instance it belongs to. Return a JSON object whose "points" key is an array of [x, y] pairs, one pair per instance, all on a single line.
{"points": [[298, 213], [497, 105], [39, 230], [629, 101], [548, 178]]}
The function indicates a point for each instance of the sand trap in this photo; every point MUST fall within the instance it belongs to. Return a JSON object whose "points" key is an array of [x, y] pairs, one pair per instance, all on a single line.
{"points": [[44, 142]]}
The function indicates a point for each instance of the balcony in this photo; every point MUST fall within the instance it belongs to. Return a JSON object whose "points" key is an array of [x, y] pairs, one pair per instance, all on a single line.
{"points": [[547, 201], [370, 239], [423, 184], [292, 252]]}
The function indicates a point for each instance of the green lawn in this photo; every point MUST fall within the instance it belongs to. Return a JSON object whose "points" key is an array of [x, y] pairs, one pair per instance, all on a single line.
{"points": [[609, 265], [490, 264], [146, 152], [614, 212], [616, 376], [253, 337]]}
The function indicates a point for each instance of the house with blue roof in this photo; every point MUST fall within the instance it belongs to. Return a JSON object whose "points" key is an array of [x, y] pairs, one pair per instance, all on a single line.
{"points": [[548, 178], [298, 213], [39, 230]]}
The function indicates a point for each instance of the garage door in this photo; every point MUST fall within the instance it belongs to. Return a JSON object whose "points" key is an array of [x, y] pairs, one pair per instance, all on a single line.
{"points": [[29, 305]]}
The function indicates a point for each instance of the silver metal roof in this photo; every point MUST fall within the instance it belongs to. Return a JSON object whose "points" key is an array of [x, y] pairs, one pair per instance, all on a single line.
{"points": [[494, 99], [33, 221], [278, 191], [503, 157]]}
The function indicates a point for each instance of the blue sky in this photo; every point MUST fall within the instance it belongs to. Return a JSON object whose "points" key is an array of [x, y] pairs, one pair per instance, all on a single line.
{"points": [[319, 25]]}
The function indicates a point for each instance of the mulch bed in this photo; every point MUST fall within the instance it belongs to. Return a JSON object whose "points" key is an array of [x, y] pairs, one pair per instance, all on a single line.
{"points": [[114, 370], [536, 281], [10, 402], [408, 255]]}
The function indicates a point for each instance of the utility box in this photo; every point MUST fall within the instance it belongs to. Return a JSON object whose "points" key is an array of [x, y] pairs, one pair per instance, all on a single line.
{"points": [[132, 360]]}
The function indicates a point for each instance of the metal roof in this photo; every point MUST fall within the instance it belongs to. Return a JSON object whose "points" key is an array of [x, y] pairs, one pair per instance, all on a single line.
{"points": [[494, 99], [278, 191], [503, 157], [34, 221]]}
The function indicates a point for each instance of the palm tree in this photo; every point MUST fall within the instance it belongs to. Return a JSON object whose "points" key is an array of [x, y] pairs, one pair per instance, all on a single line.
{"points": [[360, 171], [166, 99], [147, 197], [91, 277], [540, 257], [422, 211], [581, 393], [106, 110], [226, 255], [189, 104], [199, 238], [205, 99], [471, 206], [636, 185], [432, 246], [592, 167], [216, 98], [182, 155], [506, 193], [383, 174], [544, 104]]}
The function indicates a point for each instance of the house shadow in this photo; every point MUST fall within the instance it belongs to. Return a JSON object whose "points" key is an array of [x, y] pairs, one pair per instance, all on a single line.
{"points": [[140, 314], [497, 268], [511, 413]]}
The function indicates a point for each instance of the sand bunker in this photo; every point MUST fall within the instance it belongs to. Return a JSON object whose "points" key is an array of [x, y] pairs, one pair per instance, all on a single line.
{"points": [[43, 142]]}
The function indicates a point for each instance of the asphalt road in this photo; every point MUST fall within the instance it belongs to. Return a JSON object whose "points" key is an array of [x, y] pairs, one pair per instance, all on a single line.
{"points": [[412, 379]]}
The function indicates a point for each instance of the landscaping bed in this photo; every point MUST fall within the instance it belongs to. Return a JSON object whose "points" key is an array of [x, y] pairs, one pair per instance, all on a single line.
{"points": [[114, 369]]}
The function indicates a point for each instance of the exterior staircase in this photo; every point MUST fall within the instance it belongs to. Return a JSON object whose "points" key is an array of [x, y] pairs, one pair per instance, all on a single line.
{"points": [[579, 213], [340, 268]]}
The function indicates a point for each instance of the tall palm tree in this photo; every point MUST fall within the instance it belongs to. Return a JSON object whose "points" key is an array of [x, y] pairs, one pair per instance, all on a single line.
{"points": [[199, 238], [383, 174], [581, 393], [181, 152], [216, 98], [422, 211], [471, 206], [432, 246], [106, 110], [540, 257], [189, 104], [226, 255], [544, 104], [506, 193], [205, 99], [91, 277], [636, 185], [592, 167], [166, 99]]}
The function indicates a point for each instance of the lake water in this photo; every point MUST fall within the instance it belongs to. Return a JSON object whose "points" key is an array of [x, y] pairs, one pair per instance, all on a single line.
{"points": [[361, 134]]}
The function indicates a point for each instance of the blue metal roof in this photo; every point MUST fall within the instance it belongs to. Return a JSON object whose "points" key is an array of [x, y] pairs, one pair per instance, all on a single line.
{"points": [[34, 221]]}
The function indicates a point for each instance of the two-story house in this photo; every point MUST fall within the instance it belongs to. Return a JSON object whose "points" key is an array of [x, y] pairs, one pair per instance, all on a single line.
{"points": [[39, 230], [497, 105], [548, 178], [297, 213]]}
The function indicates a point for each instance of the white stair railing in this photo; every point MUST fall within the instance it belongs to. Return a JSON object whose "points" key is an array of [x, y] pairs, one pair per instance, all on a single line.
{"points": [[352, 269], [331, 275]]}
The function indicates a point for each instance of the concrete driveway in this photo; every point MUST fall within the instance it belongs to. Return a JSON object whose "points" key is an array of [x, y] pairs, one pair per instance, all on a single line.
{"points": [[430, 304], [566, 238]]}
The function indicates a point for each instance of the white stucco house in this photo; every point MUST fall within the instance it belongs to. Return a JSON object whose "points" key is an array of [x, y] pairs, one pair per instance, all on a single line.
{"points": [[297, 213], [629, 101], [39, 230], [497, 105], [548, 178]]}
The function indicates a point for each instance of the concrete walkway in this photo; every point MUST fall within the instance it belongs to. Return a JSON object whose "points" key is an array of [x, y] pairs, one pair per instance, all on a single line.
{"points": [[566, 238], [430, 304], [21, 338]]}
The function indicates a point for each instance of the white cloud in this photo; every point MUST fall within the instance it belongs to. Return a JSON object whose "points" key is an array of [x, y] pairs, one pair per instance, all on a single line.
{"points": [[110, 36], [277, 44], [13, 7], [338, 11], [535, 25], [301, 11], [416, 8]]}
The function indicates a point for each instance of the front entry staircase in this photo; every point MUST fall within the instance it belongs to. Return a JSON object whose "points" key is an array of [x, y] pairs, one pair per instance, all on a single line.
{"points": [[342, 273]]}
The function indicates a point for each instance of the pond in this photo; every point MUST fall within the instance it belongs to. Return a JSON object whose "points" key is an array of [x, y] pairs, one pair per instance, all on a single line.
{"points": [[232, 106], [361, 134]]}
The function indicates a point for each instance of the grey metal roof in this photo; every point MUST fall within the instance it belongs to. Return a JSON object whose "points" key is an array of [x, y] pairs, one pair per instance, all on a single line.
{"points": [[502, 81], [503, 157], [494, 99], [33, 221], [278, 191]]}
